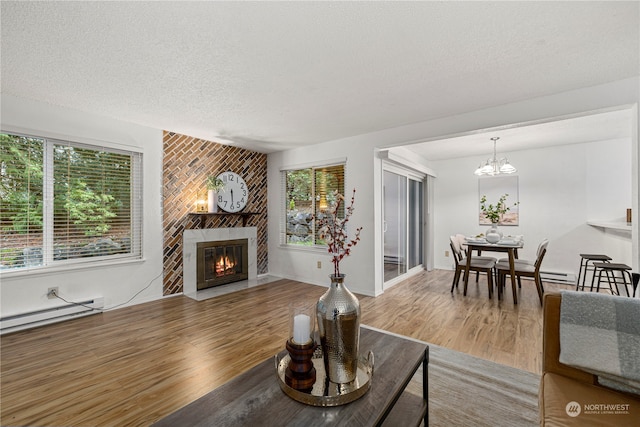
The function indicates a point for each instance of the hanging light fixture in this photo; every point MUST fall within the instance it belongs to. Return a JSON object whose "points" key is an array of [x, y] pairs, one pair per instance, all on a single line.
{"points": [[494, 166]]}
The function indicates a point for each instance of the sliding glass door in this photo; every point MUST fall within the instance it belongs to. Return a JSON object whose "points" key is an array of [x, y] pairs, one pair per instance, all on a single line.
{"points": [[395, 225], [414, 231], [403, 219]]}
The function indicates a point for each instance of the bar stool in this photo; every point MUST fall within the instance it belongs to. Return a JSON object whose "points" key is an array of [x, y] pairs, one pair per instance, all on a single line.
{"points": [[584, 263], [610, 267]]}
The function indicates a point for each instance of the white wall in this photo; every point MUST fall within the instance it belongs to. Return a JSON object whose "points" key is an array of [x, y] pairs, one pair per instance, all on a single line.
{"points": [[364, 267], [560, 189], [117, 283], [301, 263]]}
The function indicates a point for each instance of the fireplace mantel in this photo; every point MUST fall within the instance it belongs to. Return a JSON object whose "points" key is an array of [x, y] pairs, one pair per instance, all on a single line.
{"points": [[204, 215], [190, 239]]}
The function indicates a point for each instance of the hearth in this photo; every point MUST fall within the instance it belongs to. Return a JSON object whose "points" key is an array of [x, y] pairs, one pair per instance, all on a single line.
{"points": [[221, 262]]}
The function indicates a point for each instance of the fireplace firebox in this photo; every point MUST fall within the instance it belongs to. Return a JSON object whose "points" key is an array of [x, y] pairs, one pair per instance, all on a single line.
{"points": [[222, 262]]}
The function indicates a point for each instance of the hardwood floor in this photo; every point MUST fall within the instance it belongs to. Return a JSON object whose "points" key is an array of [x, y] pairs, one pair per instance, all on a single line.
{"points": [[135, 365]]}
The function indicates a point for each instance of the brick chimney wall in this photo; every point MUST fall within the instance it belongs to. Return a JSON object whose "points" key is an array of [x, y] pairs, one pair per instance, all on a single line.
{"points": [[187, 162]]}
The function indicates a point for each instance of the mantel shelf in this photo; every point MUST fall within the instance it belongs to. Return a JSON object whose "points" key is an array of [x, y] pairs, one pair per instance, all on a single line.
{"points": [[611, 225], [204, 215]]}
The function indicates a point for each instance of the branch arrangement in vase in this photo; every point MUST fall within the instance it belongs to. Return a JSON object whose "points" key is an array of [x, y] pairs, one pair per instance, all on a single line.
{"points": [[332, 229]]}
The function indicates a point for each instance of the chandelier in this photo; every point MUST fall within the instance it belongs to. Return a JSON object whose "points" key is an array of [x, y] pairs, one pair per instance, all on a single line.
{"points": [[494, 166]]}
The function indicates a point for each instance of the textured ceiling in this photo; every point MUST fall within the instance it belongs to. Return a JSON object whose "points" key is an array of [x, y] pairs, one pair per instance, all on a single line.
{"points": [[275, 75]]}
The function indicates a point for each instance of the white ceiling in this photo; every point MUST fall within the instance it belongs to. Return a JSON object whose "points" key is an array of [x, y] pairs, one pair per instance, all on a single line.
{"points": [[596, 127], [275, 75]]}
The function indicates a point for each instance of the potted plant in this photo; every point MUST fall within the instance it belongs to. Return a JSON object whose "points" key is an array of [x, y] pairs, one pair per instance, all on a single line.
{"points": [[214, 186]]}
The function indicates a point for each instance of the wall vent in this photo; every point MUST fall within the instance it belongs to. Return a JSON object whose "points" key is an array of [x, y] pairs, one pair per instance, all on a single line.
{"points": [[32, 319]]}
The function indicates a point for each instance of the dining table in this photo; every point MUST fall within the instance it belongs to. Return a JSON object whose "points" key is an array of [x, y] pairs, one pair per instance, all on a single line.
{"points": [[510, 246]]}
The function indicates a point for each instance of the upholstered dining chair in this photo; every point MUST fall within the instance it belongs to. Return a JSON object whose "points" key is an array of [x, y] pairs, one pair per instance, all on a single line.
{"points": [[462, 241], [524, 261], [523, 268], [479, 264]]}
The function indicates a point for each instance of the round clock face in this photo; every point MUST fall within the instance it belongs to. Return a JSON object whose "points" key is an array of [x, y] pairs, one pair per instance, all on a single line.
{"points": [[234, 196]]}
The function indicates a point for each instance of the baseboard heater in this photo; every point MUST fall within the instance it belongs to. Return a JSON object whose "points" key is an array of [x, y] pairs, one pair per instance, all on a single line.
{"points": [[32, 319], [553, 276]]}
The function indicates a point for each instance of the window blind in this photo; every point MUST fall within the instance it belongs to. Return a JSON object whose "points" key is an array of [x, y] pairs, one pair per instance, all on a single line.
{"points": [[307, 193], [66, 202]]}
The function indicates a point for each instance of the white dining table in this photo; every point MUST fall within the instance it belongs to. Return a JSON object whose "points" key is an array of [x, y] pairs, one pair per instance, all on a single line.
{"points": [[511, 247]]}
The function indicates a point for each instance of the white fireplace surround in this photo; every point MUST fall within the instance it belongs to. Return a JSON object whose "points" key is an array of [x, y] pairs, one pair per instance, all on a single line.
{"points": [[190, 240]]}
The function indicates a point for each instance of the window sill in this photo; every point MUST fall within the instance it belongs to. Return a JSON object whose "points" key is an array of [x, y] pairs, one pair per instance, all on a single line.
{"points": [[56, 269], [302, 248]]}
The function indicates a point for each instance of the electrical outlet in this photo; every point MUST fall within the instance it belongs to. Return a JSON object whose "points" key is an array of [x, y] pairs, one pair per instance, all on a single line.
{"points": [[446, 253], [319, 264], [52, 292]]}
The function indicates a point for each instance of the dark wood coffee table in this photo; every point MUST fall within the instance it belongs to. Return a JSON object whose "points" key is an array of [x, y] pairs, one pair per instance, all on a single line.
{"points": [[254, 398]]}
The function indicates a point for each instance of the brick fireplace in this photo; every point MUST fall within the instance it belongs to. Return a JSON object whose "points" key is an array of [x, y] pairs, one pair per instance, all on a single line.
{"points": [[187, 162]]}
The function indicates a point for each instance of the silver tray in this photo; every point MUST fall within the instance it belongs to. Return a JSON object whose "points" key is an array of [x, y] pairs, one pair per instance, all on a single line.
{"points": [[325, 392]]}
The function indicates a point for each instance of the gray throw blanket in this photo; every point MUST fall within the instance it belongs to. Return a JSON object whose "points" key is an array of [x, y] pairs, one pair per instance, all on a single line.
{"points": [[600, 334]]}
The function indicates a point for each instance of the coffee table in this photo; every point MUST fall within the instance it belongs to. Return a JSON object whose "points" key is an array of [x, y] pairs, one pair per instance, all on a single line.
{"points": [[254, 398]]}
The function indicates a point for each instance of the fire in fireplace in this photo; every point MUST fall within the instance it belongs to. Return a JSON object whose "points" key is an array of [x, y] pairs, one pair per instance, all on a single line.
{"points": [[222, 262]]}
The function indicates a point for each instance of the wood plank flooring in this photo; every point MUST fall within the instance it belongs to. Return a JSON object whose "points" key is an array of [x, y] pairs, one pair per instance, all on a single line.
{"points": [[135, 365]]}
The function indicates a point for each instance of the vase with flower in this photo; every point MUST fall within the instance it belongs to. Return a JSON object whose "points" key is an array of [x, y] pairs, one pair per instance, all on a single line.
{"points": [[338, 310], [495, 215]]}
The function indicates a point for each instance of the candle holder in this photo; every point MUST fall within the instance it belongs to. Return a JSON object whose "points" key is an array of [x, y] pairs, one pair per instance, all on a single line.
{"points": [[201, 203], [300, 373]]}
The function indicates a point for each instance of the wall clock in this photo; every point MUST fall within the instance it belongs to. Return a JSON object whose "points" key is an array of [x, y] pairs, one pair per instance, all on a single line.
{"points": [[234, 196]]}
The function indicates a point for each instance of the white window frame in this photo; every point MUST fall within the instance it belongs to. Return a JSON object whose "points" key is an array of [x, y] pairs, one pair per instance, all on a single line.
{"points": [[283, 204], [137, 216]]}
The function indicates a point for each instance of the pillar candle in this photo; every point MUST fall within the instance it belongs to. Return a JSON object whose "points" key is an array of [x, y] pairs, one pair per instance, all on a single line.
{"points": [[301, 329]]}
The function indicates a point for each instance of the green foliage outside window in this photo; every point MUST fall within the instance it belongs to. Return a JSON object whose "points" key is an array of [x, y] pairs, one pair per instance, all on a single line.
{"points": [[91, 199], [21, 190], [310, 193], [89, 211]]}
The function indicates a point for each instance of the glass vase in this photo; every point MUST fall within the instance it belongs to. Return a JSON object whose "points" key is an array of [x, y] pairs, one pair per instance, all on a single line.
{"points": [[338, 316]]}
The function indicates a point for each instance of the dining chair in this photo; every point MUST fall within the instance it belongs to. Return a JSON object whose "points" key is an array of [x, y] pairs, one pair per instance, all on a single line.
{"points": [[462, 243], [520, 261], [523, 269], [479, 264]]}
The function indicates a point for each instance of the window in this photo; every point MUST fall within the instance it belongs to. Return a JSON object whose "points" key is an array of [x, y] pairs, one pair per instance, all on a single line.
{"points": [[308, 192], [64, 203]]}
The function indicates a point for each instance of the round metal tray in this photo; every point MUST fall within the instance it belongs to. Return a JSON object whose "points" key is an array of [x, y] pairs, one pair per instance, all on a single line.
{"points": [[325, 392]]}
